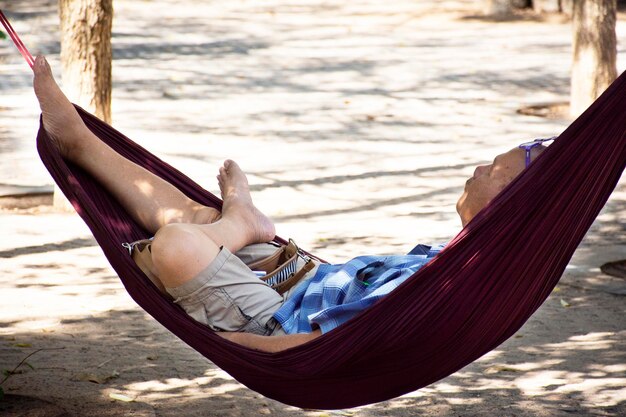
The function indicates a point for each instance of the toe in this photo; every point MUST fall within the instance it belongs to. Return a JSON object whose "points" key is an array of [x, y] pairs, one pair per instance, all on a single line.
{"points": [[230, 164], [42, 68], [39, 64]]}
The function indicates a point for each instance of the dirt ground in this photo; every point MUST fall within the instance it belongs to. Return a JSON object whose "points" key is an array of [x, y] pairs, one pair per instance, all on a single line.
{"points": [[358, 123]]}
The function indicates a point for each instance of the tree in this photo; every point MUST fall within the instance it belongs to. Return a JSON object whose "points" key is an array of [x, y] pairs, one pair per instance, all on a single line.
{"points": [[86, 53], [86, 57], [594, 51]]}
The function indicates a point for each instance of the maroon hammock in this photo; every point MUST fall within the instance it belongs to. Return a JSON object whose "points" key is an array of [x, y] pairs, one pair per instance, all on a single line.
{"points": [[477, 293]]}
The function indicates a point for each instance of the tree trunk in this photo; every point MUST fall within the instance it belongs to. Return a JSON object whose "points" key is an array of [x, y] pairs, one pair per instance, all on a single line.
{"points": [[86, 53], [86, 58], [594, 51], [497, 7]]}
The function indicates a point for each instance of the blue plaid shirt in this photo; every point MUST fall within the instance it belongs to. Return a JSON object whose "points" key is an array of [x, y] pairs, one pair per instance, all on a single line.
{"points": [[338, 292]]}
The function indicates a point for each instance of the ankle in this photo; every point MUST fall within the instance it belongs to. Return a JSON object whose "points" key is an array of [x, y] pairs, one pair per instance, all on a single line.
{"points": [[76, 141], [232, 234]]}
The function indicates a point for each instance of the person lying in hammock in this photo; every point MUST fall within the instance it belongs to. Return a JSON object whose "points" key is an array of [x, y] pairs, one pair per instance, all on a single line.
{"points": [[193, 245]]}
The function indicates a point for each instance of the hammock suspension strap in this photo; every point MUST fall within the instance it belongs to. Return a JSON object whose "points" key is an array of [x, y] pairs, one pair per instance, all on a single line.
{"points": [[16, 40]]}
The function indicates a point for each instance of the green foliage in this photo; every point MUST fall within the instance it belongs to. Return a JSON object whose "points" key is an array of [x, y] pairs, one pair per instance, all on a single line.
{"points": [[1, 394], [3, 35]]}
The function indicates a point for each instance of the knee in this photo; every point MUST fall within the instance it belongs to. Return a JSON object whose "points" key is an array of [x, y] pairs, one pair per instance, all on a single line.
{"points": [[176, 253]]}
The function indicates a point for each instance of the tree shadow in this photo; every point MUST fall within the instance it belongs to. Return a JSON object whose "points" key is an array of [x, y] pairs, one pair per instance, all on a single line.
{"points": [[562, 361], [48, 247]]}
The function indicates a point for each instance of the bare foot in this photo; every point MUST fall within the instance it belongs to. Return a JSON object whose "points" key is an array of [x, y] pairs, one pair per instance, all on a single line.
{"points": [[238, 205], [60, 118]]}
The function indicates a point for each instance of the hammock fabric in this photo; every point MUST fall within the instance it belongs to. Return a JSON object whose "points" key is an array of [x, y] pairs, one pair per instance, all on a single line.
{"points": [[477, 293]]}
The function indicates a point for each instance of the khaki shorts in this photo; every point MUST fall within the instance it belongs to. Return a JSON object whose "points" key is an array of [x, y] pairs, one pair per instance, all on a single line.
{"points": [[227, 296]]}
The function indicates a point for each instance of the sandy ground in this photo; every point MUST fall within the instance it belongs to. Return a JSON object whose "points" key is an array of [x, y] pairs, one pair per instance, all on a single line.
{"points": [[358, 123]]}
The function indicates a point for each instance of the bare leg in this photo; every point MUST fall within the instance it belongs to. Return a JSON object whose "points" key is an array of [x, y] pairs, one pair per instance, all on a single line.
{"points": [[151, 201], [181, 251]]}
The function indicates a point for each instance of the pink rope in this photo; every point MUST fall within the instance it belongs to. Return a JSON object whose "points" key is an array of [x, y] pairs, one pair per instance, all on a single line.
{"points": [[16, 40]]}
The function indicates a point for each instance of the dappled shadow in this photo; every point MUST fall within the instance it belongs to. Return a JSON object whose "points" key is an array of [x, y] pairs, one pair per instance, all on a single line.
{"points": [[26, 9], [485, 80], [165, 51], [49, 247], [367, 205], [518, 16], [20, 405], [338, 179], [537, 372], [267, 60]]}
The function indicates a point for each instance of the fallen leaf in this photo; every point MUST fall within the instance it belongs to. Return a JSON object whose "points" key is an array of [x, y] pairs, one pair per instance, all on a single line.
{"points": [[23, 345], [121, 397], [500, 368], [564, 303]]}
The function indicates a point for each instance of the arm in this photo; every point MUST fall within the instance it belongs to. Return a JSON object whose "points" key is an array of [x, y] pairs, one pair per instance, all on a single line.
{"points": [[269, 344]]}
